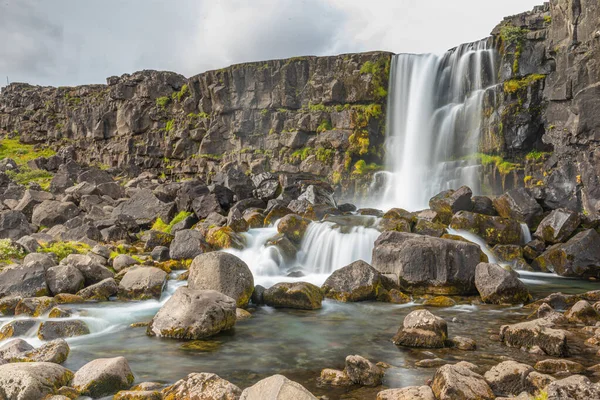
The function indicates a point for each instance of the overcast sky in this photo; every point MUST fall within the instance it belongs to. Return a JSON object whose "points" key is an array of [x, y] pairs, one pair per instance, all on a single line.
{"points": [[70, 42]]}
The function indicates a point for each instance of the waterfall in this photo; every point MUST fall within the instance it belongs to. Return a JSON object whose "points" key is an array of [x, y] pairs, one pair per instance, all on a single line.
{"points": [[434, 123], [525, 233]]}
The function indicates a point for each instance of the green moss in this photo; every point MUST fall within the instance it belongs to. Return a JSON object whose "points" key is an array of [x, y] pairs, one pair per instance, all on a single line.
{"points": [[63, 249], [301, 154], [535, 155], [264, 112], [161, 226], [26, 176], [362, 168], [10, 253], [325, 155], [163, 102], [318, 107], [512, 35], [548, 19], [170, 125], [324, 126], [516, 85], [379, 71], [503, 166], [20, 152], [336, 177], [181, 94]]}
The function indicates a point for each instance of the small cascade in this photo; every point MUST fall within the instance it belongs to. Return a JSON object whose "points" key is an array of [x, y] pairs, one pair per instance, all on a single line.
{"points": [[525, 234], [434, 123], [471, 237]]}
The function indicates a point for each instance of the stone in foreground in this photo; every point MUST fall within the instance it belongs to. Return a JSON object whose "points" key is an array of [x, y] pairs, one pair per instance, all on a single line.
{"points": [[29, 381], [202, 386], [277, 387], [422, 329], [142, 283], [453, 382], [355, 282], [508, 378], [193, 314], [407, 393], [103, 377], [363, 372], [538, 332], [298, 295]]}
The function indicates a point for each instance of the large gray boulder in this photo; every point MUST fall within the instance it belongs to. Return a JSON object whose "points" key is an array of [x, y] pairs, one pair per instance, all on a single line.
{"points": [[103, 377], [14, 225], [31, 381], [422, 329], [30, 199], [23, 281], [575, 387], [52, 212], [92, 271], [187, 244], [453, 382], [50, 330], [224, 273], [363, 372], [64, 279], [558, 226], [55, 351], [519, 205], [579, 257], [508, 378], [277, 387], [426, 264], [145, 207], [142, 283], [407, 393], [355, 282], [100, 291], [13, 348], [193, 314], [500, 285], [538, 332], [202, 386], [449, 202], [298, 295]]}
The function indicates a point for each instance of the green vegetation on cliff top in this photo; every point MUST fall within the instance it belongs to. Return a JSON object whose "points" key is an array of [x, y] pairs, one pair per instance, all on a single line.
{"points": [[515, 85]]}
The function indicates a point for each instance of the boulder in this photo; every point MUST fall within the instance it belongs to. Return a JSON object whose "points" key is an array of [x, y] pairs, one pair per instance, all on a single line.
{"points": [[13, 348], [64, 279], [103, 377], [30, 199], [202, 386], [575, 387], [494, 230], [123, 261], [55, 351], [153, 238], [142, 283], [449, 202], [100, 291], [29, 381], [463, 343], [17, 327], [422, 329], [553, 366], [519, 205], [299, 295], [236, 221], [92, 271], [484, 205], [453, 382], [558, 226], [27, 280], [14, 225], [407, 393], [293, 227], [334, 377], [451, 264], [582, 312], [51, 212], [51, 330], [224, 238], [144, 207], [579, 257], [193, 314], [203, 206], [538, 332], [160, 254], [34, 306], [355, 282], [508, 378], [276, 387], [500, 285], [363, 372], [187, 245], [224, 273]]}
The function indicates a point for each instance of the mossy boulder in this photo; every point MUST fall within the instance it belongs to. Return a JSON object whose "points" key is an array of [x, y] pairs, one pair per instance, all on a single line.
{"points": [[224, 238], [519, 205], [429, 228], [201, 386], [65, 298], [18, 327], [500, 285], [582, 312], [579, 257], [512, 254], [439, 301], [103, 377], [100, 291], [254, 218], [540, 333], [458, 381], [298, 295], [34, 380], [51, 330], [142, 283], [355, 282], [393, 296], [276, 213], [34, 306], [494, 230], [449, 202], [558, 226], [293, 227], [55, 351], [285, 246], [422, 329]]}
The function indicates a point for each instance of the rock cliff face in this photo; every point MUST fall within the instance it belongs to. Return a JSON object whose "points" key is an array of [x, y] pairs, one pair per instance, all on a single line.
{"points": [[316, 115], [544, 115]]}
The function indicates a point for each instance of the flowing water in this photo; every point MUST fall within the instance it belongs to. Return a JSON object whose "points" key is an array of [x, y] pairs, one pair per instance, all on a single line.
{"points": [[434, 123]]}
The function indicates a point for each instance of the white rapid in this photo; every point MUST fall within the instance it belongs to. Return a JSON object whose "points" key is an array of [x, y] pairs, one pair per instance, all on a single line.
{"points": [[327, 246], [433, 123]]}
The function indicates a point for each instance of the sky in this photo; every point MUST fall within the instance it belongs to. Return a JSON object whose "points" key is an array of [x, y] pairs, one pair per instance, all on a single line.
{"points": [[72, 42]]}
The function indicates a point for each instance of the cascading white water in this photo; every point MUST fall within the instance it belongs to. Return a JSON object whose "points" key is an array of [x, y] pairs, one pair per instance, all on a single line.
{"points": [[434, 123]]}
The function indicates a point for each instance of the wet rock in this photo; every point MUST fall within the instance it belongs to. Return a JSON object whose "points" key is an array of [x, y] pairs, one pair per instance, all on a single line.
{"points": [[582, 312], [363, 372], [422, 329], [100, 291], [27, 280], [8, 305], [553, 366], [51, 330], [276, 213], [494, 230], [537, 381], [299, 295], [160, 254], [51, 212], [407, 393], [187, 245], [355, 282], [499, 285], [224, 238], [463, 343], [276, 387], [431, 363], [13, 348], [193, 314], [576, 387], [519, 205], [579, 257], [449, 202], [34, 306], [18, 327], [64, 279], [224, 273], [257, 295], [393, 296], [334, 377], [484, 205], [123, 261], [14, 225], [236, 221], [65, 298], [459, 382], [202, 386], [103, 377], [142, 283], [55, 351], [540, 333], [242, 314], [439, 301], [34, 380], [58, 312], [451, 263], [424, 227], [508, 378], [293, 227], [558, 226], [547, 312]]}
